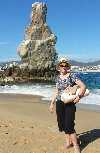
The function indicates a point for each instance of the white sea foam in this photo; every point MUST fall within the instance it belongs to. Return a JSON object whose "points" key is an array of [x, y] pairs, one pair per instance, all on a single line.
{"points": [[46, 91], [93, 98]]}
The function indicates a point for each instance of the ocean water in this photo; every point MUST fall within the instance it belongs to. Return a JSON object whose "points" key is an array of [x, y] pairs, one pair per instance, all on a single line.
{"points": [[91, 79]]}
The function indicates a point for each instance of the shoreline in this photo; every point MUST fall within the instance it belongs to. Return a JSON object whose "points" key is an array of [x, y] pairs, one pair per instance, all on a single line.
{"points": [[79, 106]]}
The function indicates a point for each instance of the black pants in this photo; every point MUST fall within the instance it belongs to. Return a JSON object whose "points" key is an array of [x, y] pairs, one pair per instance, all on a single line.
{"points": [[65, 116]]}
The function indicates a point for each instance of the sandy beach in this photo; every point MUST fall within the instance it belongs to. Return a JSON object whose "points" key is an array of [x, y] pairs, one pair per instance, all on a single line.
{"points": [[27, 126]]}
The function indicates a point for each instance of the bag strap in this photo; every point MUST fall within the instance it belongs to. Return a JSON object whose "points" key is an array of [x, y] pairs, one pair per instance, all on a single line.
{"points": [[72, 83]]}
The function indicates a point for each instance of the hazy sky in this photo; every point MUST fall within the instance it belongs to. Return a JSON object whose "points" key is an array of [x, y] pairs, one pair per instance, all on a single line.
{"points": [[75, 22]]}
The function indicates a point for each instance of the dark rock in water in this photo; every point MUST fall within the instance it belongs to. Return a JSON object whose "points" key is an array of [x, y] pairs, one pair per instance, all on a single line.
{"points": [[38, 46]]}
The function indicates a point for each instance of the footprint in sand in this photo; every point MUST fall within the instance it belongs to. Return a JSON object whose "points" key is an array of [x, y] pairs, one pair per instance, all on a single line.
{"points": [[23, 140]]}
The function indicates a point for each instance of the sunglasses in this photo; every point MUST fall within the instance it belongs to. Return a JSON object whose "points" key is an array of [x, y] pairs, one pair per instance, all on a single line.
{"points": [[64, 65]]}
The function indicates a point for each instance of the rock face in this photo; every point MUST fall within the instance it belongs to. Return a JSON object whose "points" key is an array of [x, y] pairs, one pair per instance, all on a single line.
{"points": [[38, 46]]}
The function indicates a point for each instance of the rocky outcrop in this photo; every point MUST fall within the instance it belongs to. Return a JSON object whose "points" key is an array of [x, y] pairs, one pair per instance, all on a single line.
{"points": [[38, 46], [22, 74]]}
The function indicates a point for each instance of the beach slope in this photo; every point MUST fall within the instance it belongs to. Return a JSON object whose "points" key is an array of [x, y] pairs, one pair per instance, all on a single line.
{"points": [[26, 126]]}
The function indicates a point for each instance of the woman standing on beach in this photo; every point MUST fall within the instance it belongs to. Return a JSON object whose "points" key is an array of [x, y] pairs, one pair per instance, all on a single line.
{"points": [[66, 112]]}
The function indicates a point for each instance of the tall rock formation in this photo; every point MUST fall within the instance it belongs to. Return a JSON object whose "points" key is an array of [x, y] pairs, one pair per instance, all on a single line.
{"points": [[38, 46]]}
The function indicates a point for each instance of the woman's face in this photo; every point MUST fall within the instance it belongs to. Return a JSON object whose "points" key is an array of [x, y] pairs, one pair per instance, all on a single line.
{"points": [[64, 68]]}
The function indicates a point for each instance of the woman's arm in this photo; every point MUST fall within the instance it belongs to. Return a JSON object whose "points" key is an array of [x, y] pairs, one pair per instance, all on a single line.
{"points": [[82, 87], [82, 90], [53, 98]]}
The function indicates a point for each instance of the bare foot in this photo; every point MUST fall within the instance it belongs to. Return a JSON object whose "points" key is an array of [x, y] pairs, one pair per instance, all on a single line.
{"points": [[77, 149], [67, 146]]}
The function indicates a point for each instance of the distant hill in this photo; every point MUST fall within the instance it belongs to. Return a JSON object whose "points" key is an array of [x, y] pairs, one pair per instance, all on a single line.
{"points": [[73, 62], [9, 62], [76, 63]]}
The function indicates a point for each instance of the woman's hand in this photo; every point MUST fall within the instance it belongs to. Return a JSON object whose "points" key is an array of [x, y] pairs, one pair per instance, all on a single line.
{"points": [[76, 100], [51, 108]]}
